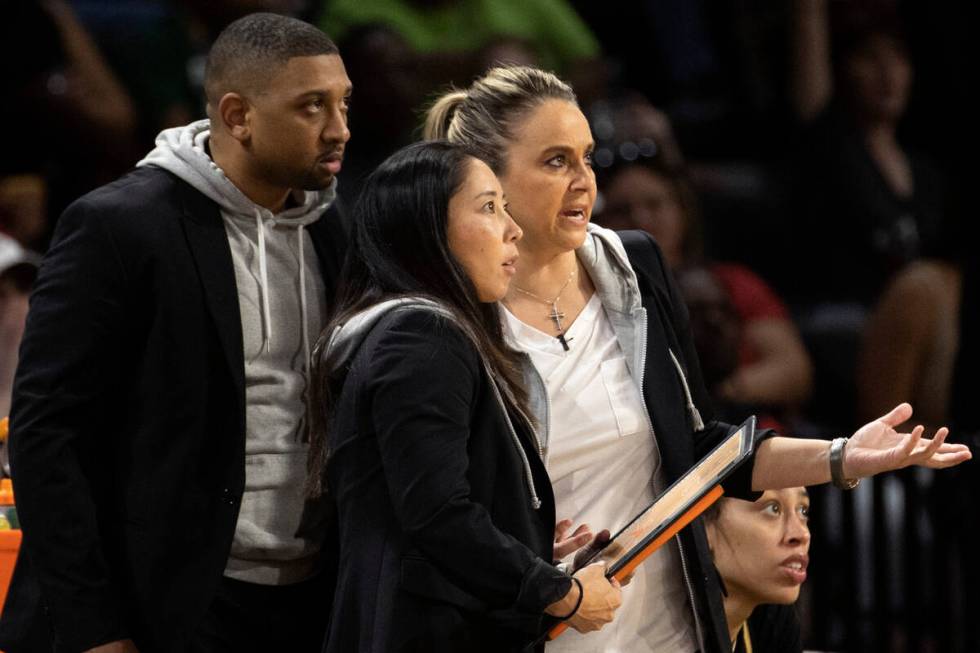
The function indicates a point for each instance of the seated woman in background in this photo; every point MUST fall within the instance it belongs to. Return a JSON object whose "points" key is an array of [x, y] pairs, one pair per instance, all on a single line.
{"points": [[773, 370], [761, 551], [909, 345], [445, 510]]}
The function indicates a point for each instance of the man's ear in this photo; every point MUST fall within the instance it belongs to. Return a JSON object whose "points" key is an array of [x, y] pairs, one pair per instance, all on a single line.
{"points": [[233, 112]]}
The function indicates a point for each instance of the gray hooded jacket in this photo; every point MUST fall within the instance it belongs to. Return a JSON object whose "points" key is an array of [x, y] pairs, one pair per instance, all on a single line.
{"points": [[604, 258], [281, 298]]}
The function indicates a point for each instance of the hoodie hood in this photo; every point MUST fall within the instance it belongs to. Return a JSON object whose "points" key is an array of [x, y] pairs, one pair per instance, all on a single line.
{"points": [[608, 264], [346, 338], [183, 152], [605, 258]]}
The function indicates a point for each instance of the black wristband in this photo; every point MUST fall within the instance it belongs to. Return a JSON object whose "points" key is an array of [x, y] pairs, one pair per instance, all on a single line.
{"points": [[578, 604]]}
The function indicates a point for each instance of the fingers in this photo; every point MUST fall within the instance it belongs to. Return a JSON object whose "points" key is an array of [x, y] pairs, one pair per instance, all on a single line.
{"points": [[561, 528], [949, 455], [602, 538], [912, 440], [566, 544], [953, 448], [580, 538], [928, 448], [897, 415], [944, 460], [615, 583], [938, 454], [935, 443]]}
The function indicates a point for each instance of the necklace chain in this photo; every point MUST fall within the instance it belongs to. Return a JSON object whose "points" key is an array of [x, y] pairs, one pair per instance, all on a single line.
{"points": [[554, 301], [555, 315]]}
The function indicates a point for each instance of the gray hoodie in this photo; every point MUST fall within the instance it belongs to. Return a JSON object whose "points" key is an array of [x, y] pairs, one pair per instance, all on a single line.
{"points": [[281, 298]]}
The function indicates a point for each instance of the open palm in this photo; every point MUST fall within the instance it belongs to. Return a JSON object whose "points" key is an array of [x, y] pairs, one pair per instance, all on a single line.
{"points": [[877, 447]]}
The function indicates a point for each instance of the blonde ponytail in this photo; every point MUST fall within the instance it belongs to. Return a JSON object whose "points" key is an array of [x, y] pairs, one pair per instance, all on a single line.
{"points": [[440, 116], [484, 118]]}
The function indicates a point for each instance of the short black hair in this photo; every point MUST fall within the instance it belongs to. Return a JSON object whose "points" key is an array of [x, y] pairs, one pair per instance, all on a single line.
{"points": [[251, 48]]}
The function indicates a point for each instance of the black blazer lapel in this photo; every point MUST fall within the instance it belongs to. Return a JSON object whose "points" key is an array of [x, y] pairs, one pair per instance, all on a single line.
{"points": [[209, 246]]}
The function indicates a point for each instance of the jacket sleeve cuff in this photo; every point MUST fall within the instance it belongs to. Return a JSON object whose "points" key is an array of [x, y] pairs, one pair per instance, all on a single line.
{"points": [[542, 585], [739, 484]]}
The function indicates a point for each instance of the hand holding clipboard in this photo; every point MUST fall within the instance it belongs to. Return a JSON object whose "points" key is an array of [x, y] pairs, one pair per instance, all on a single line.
{"points": [[684, 500]]}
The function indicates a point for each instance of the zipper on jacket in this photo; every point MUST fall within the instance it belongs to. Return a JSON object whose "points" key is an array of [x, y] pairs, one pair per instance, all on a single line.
{"points": [[547, 409], [534, 433], [528, 473], [698, 631], [688, 585]]}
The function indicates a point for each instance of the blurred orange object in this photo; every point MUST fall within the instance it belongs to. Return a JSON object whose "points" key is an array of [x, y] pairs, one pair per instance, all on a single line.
{"points": [[6, 492], [10, 538], [9, 546]]}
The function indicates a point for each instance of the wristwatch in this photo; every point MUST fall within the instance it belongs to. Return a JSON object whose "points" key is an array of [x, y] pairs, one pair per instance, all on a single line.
{"points": [[837, 466]]}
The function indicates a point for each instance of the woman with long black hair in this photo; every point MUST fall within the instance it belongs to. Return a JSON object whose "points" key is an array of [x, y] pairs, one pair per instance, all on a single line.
{"points": [[445, 512]]}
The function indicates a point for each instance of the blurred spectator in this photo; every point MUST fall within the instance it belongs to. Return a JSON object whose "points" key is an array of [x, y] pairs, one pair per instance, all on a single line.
{"points": [[751, 365], [384, 71], [868, 203], [23, 208], [910, 344], [69, 119], [648, 195], [457, 39], [751, 348], [627, 126], [716, 67], [920, 346], [153, 47], [158, 49], [959, 532], [18, 268]]}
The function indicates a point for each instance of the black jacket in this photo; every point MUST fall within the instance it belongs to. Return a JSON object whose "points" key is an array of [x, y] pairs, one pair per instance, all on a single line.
{"points": [[128, 419], [441, 549], [771, 629], [681, 444]]}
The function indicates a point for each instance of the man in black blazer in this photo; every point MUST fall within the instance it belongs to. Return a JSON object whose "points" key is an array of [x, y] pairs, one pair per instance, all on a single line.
{"points": [[158, 413]]}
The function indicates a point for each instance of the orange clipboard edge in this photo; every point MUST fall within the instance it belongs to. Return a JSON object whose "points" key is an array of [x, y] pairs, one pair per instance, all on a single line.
{"points": [[686, 518]]}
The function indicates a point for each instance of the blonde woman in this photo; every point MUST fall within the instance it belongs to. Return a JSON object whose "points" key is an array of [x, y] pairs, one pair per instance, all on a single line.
{"points": [[611, 371]]}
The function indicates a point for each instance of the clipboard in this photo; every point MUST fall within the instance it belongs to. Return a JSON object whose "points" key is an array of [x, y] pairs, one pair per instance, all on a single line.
{"points": [[675, 508]]}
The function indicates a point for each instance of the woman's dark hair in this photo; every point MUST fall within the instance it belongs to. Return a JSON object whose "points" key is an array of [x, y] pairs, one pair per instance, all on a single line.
{"points": [[400, 248]]}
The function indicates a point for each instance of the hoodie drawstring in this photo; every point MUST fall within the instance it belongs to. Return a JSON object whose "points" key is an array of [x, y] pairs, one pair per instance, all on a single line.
{"points": [[264, 277], [691, 408], [302, 298]]}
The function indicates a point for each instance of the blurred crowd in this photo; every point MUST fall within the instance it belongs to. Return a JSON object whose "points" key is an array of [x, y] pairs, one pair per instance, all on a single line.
{"points": [[798, 162]]}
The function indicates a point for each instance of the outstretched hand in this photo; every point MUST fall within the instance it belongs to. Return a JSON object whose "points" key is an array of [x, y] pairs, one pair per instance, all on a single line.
{"points": [[877, 447]]}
